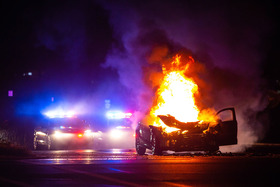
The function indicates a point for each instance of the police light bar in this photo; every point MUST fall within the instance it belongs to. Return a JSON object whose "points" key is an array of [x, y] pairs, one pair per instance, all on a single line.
{"points": [[118, 115], [122, 127], [60, 114]]}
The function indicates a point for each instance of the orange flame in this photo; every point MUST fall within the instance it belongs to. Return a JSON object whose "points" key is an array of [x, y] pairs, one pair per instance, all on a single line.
{"points": [[175, 96]]}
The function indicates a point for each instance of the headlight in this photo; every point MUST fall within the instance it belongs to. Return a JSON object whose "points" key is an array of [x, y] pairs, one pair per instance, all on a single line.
{"points": [[116, 134], [88, 133], [61, 135], [97, 135], [57, 134]]}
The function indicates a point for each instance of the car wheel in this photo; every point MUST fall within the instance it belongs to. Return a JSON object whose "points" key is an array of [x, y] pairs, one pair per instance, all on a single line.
{"points": [[139, 149], [212, 147], [156, 149], [38, 147]]}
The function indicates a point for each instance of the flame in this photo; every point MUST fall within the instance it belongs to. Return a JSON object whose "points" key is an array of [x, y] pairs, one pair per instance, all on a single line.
{"points": [[176, 96]]}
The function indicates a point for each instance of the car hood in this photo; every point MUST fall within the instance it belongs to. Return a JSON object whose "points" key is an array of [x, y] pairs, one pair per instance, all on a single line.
{"points": [[190, 126]]}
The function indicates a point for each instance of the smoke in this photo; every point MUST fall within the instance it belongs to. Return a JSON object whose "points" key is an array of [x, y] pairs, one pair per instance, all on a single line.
{"points": [[224, 37]]}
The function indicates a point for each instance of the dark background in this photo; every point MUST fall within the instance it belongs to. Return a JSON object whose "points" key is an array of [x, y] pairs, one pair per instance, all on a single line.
{"points": [[80, 52]]}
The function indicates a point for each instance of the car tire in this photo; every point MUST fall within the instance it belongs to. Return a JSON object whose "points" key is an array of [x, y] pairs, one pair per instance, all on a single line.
{"points": [[156, 149], [139, 149], [212, 147], [39, 147]]}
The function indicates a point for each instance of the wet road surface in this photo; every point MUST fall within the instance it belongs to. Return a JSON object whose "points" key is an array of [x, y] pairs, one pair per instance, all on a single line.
{"points": [[125, 168]]}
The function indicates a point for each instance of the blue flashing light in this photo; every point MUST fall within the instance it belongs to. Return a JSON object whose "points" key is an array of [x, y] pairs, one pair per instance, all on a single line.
{"points": [[60, 114], [117, 115]]}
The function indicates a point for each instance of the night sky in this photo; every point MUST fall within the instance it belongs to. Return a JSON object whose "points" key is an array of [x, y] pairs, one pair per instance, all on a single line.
{"points": [[89, 51]]}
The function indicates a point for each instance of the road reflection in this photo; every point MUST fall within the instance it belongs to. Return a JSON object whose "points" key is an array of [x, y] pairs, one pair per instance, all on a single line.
{"points": [[107, 156], [126, 168], [81, 156]]}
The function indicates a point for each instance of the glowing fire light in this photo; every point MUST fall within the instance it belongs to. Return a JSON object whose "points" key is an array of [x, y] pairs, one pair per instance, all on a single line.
{"points": [[175, 96]]}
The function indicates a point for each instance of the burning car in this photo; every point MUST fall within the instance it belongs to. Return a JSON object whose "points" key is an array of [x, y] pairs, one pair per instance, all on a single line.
{"points": [[63, 131], [189, 136], [179, 118]]}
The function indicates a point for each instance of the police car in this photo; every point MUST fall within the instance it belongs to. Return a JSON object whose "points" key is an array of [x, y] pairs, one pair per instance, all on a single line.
{"points": [[63, 131]]}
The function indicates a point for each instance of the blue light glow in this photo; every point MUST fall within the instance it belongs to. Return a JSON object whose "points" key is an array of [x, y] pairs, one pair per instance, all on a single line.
{"points": [[60, 114], [117, 115]]}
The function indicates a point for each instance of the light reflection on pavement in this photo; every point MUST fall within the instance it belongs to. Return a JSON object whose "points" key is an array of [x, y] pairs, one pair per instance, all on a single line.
{"points": [[125, 168], [89, 156], [81, 156]]}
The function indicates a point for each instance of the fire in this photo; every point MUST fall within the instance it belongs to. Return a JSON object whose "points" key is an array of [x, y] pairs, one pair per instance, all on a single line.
{"points": [[176, 96]]}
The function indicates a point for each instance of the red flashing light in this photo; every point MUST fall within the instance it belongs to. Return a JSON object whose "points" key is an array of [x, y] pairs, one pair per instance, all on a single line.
{"points": [[80, 135]]}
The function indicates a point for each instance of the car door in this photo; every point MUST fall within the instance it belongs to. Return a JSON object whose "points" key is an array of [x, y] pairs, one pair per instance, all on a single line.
{"points": [[228, 127]]}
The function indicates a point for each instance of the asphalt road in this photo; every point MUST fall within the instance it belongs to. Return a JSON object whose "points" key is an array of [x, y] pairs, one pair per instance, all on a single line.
{"points": [[125, 168]]}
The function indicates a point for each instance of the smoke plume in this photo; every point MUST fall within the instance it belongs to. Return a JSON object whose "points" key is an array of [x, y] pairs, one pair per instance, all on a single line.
{"points": [[224, 38]]}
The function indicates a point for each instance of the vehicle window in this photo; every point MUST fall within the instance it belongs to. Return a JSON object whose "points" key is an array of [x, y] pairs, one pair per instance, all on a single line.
{"points": [[226, 115]]}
